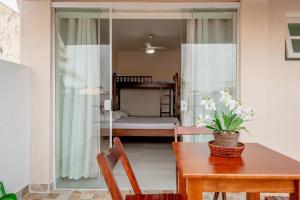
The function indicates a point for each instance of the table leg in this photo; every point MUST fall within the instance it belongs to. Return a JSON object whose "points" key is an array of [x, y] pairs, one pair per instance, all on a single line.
{"points": [[181, 182], [296, 195], [253, 196], [195, 189]]}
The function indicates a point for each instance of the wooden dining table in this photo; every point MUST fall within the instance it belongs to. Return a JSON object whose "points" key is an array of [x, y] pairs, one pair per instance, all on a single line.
{"points": [[258, 170]]}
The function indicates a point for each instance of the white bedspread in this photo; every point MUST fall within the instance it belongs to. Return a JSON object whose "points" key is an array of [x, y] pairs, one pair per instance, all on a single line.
{"points": [[144, 123]]}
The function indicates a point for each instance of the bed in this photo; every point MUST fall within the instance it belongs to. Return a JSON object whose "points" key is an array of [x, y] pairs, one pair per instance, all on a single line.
{"points": [[123, 125], [160, 126], [145, 82], [144, 126]]}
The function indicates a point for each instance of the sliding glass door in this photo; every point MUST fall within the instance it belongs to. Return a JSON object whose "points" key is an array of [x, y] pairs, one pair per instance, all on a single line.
{"points": [[83, 82], [209, 60], [82, 95]]}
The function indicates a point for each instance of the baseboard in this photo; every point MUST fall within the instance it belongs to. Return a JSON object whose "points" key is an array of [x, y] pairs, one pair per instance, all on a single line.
{"points": [[41, 188], [22, 192]]}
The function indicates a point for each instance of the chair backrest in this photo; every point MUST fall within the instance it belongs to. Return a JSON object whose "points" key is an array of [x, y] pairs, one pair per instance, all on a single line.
{"points": [[192, 130], [108, 161]]}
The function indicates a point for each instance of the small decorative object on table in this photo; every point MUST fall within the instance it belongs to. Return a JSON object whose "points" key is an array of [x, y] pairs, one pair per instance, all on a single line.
{"points": [[229, 152], [226, 121]]}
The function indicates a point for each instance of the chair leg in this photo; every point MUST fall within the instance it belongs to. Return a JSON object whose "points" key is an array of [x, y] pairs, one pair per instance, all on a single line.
{"points": [[177, 178], [224, 196], [216, 195]]}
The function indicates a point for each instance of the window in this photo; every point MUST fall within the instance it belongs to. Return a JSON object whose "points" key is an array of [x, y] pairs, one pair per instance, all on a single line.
{"points": [[292, 38]]}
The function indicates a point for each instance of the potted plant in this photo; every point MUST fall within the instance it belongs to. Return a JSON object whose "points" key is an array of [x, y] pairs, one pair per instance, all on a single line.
{"points": [[225, 119]]}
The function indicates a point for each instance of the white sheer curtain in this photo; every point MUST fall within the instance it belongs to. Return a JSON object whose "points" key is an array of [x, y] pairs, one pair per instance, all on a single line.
{"points": [[208, 64], [79, 71]]}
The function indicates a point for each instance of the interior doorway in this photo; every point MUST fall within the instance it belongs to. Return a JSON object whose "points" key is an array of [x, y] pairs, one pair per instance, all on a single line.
{"points": [[154, 66], [146, 61]]}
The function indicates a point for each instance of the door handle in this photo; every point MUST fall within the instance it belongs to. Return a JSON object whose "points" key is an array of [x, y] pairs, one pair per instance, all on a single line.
{"points": [[107, 105], [183, 105]]}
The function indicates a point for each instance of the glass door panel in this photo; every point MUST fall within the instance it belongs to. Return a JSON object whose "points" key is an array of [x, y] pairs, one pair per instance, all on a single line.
{"points": [[209, 60], [82, 95]]}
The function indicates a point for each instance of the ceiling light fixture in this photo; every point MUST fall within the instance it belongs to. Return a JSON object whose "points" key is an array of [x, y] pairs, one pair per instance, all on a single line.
{"points": [[150, 50]]}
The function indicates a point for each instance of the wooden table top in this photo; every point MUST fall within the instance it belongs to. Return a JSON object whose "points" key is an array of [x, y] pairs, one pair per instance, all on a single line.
{"points": [[257, 162]]}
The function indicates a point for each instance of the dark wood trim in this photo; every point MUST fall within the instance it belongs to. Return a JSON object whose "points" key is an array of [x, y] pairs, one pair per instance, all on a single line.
{"points": [[152, 85], [143, 132], [176, 96]]}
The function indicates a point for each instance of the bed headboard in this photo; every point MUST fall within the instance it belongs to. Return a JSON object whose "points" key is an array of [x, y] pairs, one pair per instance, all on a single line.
{"points": [[134, 79], [145, 82]]}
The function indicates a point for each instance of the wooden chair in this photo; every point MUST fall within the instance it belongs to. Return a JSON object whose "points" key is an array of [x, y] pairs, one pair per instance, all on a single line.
{"points": [[108, 161], [194, 130]]}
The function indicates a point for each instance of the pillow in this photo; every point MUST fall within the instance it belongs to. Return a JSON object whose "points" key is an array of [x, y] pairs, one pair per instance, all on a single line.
{"points": [[120, 113], [104, 116]]}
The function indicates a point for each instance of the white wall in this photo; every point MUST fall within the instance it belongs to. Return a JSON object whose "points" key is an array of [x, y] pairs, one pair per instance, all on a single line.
{"points": [[283, 81], [269, 83], [14, 125], [162, 66], [36, 53], [254, 60]]}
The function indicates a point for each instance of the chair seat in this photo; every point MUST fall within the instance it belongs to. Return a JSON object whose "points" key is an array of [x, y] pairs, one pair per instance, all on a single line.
{"points": [[156, 197], [276, 198]]}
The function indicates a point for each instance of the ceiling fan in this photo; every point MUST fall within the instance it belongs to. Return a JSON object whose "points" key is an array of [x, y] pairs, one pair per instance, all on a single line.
{"points": [[149, 48]]}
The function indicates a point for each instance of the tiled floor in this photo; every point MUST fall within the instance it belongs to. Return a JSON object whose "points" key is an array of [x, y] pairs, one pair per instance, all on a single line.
{"points": [[102, 195], [153, 165]]}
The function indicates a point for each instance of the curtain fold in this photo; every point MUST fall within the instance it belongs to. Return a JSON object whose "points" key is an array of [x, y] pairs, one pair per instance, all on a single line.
{"points": [[80, 72], [208, 66]]}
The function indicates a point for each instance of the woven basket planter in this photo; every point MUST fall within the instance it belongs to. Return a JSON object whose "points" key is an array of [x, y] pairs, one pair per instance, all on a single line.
{"points": [[227, 152], [227, 140]]}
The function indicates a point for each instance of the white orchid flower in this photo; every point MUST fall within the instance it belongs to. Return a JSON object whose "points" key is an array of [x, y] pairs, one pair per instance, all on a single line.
{"points": [[238, 110], [225, 97], [208, 119], [233, 110], [200, 121], [246, 114], [203, 120], [228, 100], [232, 104], [209, 104]]}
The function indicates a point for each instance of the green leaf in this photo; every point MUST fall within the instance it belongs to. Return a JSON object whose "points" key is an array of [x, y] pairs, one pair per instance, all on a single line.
{"points": [[235, 124], [226, 120], [231, 119], [218, 122], [211, 127]]}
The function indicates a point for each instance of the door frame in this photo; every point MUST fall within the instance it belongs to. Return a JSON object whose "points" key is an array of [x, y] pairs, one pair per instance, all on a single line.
{"points": [[126, 5], [146, 5], [54, 19]]}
